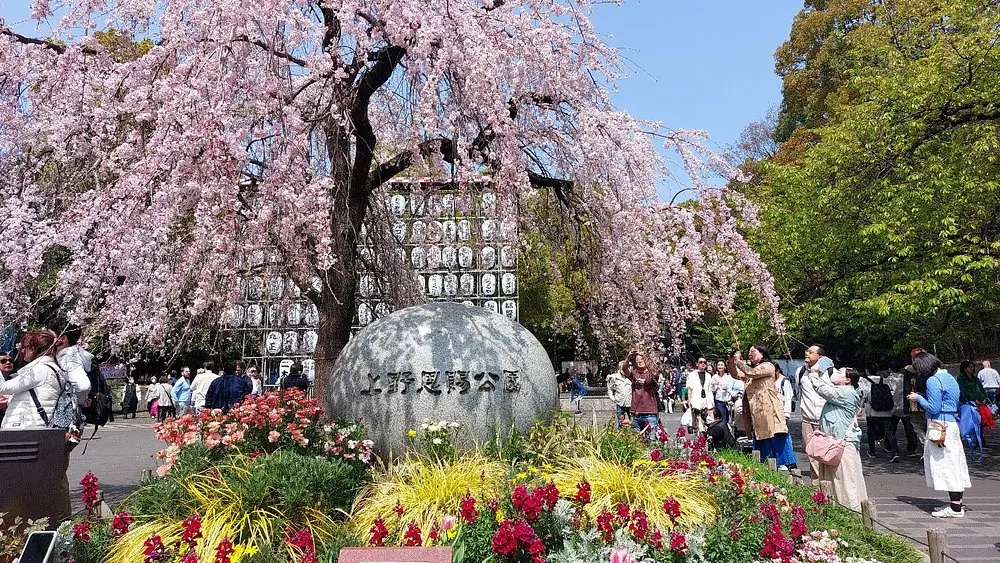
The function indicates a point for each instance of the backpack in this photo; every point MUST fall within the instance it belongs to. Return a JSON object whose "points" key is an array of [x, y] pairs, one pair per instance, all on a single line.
{"points": [[969, 429], [881, 399], [99, 412]]}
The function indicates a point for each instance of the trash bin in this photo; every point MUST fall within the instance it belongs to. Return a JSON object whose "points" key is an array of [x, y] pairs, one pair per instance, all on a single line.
{"points": [[31, 473]]}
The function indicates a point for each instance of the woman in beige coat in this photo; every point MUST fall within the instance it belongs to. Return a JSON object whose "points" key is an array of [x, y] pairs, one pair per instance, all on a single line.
{"points": [[766, 410]]}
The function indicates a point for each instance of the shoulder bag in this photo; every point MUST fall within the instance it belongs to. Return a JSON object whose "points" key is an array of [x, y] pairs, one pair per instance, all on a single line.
{"points": [[937, 430], [827, 449]]}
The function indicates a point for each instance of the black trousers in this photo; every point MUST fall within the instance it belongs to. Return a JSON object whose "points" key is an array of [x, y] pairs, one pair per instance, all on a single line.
{"points": [[911, 435], [878, 427]]}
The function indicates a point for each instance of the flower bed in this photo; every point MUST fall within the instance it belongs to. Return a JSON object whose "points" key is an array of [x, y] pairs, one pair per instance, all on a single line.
{"points": [[233, 491]]}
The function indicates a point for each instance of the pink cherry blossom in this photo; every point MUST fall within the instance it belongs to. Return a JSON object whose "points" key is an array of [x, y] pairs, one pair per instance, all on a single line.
{"points": [[154, 179]]}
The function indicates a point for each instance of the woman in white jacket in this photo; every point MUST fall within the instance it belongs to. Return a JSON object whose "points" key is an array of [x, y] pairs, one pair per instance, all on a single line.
{"points": [[40, 375]]}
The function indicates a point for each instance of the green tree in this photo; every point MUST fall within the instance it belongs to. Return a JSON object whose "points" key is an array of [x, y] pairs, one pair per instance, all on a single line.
{"points": [[879, 215]]}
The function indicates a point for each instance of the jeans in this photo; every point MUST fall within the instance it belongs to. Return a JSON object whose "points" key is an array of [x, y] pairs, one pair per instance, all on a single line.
{"points": [[991, 394], [621, 412], [646, 423], [724, 409]]}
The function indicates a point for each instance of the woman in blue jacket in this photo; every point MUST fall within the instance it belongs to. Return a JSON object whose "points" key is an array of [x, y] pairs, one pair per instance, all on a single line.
{"points": [[945, 467]]}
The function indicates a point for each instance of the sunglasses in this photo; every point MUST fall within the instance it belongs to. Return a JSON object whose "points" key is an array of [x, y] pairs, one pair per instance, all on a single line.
{"points": [[6, 361]]}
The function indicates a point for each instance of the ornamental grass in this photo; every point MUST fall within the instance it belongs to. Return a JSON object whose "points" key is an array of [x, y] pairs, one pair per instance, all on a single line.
{"points": [[243, 500], [423, 490], [641, 485]]}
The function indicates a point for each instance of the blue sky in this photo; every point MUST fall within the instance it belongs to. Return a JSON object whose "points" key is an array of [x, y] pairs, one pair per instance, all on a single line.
{"points": [[691, 64]]}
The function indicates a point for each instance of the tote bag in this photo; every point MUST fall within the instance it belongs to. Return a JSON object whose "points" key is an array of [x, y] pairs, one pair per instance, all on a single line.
{"points": [[827, 449]]}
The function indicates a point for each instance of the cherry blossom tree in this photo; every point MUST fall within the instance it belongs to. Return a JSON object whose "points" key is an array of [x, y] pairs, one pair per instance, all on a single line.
{"points": [[134, 184]]}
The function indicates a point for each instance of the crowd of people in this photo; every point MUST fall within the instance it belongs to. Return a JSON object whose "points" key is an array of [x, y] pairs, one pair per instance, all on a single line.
{"points": [[53, 387], [736, 400]]}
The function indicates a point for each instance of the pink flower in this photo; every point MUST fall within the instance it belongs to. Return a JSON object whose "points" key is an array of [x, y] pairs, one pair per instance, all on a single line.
{"points": [[273, 436], [448, 522], [621, 555]]}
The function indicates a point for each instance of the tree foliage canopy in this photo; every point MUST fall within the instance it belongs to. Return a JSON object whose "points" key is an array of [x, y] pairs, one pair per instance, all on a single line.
{"points": [[880, 209]]}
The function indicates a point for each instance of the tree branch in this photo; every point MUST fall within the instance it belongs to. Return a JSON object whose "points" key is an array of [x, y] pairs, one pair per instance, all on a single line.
{"points": [[280, 54], [397, 164]]}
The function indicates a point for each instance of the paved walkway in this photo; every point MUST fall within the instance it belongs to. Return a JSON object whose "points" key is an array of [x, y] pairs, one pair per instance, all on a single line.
{"points": [[117, 455], [902, 498]]}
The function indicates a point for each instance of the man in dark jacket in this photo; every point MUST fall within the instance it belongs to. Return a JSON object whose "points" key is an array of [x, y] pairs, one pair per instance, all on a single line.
{"points": [[227, 391], [295, 378]]}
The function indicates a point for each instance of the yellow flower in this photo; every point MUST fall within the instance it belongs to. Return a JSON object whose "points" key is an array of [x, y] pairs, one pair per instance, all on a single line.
{"points": [[547, 466], [411, 433], [521, 475], [532, 469], [499, 515]]}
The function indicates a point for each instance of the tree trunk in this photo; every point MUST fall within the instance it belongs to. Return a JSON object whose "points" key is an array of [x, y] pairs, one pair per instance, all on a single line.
{"points": [[336, 305]]}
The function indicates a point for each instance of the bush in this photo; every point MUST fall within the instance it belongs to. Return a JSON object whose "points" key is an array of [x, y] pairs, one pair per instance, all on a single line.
{"points": [[251, 501]]}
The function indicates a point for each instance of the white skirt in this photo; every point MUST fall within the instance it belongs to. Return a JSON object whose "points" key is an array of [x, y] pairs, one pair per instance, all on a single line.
{"points": [[945, 467]]}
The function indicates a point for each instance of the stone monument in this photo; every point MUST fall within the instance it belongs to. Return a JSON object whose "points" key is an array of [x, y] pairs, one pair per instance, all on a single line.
{"points": [[442, 361]]}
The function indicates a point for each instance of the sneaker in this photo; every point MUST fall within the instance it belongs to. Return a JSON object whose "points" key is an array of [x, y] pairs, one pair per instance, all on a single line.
{"points": [[947, 506], [872, 454], [894, 459], [914, 454], [948, 512]]}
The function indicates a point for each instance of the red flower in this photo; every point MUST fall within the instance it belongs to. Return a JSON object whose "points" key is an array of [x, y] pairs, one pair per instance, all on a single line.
{"points": [[467, 509], [797, 525], [549, 495], [582, 492], [513, 535], [820, 498], [154, 550], [411, 538], [655, 455], [639, 526], [605, 525], [433, 536], [223, 551], [623, 511], [191, 527], [190, 557], [681, 432], [777, 545], [398, 509], [504, 540], [739, 482], [89, 494], [378, 533], [81, 531], [678, 543], [120, 524], [662, 434], [656, 540], [529, 503], [673, 509]]}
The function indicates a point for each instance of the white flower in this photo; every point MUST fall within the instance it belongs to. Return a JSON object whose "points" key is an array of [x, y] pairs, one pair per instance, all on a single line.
{"points": [[437, 441]]}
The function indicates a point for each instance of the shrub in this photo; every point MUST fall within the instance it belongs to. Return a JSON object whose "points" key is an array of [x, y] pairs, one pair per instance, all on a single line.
{"points": [[251, 501], [275, 420]]}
